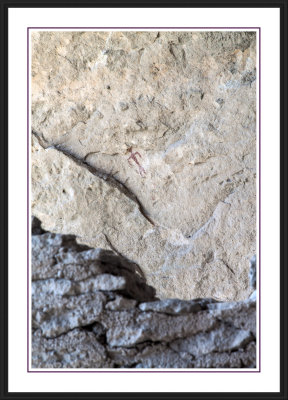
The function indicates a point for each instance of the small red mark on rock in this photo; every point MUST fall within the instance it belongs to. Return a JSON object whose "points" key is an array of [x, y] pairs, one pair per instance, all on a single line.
{"points": [[133, 156]]}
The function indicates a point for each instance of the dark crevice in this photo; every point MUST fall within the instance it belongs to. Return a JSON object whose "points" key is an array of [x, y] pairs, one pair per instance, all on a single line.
{"points": [[157, 37], [133, 365], [184, 58], [171, 51], [36, 227], [60, 334], [88, 328], [98, 330], [228, 267], [111, 180]]}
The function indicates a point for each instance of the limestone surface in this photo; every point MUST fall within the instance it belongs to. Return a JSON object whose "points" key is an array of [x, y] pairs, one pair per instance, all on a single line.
{"points": [[145, 143], [78, 322]]}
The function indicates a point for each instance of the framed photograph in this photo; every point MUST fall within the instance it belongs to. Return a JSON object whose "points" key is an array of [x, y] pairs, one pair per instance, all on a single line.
{"points": [[145, 148]]}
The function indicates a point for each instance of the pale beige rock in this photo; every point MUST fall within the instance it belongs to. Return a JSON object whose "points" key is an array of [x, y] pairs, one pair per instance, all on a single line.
{"points": [[185, 101]]}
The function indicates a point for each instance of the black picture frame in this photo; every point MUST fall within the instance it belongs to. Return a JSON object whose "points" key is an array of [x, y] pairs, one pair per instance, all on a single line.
{"points": [[283, 7]]}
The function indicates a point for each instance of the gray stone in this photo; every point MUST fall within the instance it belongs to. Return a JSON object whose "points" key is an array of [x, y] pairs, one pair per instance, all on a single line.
{"points": [[103, 282], [89, 318], [59, 259], [149, 356], [56, 314], [129, 328], [241, 314], [224, 338], [121, 303], [160, 356], [76, 349], [244, 358], [252, 272], [175, 306]]}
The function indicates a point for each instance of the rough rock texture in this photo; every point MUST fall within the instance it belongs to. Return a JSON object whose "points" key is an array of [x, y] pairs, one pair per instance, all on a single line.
{"points": [[93, 309], [144, 143]]}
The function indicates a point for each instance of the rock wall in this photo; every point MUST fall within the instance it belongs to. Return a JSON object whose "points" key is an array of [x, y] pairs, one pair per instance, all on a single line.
{"points": [[92, 308], [145, 143]]}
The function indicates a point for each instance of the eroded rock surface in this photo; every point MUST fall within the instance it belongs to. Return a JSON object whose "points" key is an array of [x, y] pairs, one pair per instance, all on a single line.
{"points": [[93, 309], [145, 143]]}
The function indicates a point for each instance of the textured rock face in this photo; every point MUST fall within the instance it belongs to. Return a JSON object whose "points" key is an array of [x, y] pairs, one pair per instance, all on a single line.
{"points": [[86, 315], [144, 142]]}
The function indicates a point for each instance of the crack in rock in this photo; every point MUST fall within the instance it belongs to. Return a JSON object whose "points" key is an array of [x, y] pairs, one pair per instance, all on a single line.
{"points": [[111, 180]]}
